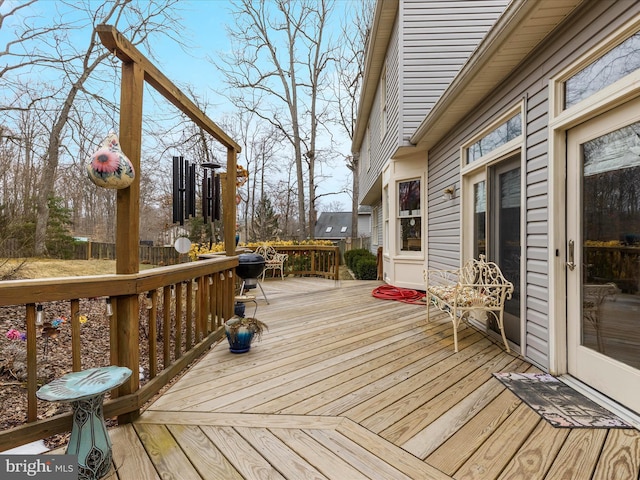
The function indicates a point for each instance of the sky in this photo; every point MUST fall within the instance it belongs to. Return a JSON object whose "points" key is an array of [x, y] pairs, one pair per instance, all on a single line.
{"points": [[205, 33]]}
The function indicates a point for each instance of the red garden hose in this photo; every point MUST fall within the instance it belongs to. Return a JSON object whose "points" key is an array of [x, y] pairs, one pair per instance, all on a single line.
{"points": [[406, 295]]}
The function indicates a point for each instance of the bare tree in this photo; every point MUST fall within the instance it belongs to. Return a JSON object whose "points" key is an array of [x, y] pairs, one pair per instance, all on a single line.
{"points": [[53, 49], [22, 39], [350, 72], [276, 70]]}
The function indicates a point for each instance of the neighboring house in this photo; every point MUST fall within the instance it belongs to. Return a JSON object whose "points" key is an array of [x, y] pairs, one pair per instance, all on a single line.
{"points": [[531, 156], [333, 226], [365, 226], [336, 226]]}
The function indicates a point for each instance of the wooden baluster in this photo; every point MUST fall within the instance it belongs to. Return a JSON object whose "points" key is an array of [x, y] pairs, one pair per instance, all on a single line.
{"points": [[202, 307], [75, 335], [215, 299], [153, 335], [219, 298], [179, 306], [189, 320], [166, 326], [113, 338], [32, 365], [197, 321]]}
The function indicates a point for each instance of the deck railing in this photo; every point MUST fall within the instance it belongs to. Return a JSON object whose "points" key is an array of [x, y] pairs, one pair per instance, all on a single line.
{"points": [[312, 260], [184, 305]]}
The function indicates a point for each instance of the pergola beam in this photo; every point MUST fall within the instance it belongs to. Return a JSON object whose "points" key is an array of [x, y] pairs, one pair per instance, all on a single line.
{"points": [[115, 42]]}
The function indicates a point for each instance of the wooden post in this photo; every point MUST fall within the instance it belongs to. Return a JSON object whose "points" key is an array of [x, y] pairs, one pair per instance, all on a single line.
{"points": [[229, 204], [128, 227], [128, 199]]}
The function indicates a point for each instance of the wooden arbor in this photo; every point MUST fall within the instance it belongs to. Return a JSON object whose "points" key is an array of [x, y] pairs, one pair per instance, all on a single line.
{"points": [[137, 69]]}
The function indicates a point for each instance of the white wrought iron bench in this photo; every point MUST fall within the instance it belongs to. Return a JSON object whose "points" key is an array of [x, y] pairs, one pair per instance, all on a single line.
{"points": [[272, 259], [478, 286]]}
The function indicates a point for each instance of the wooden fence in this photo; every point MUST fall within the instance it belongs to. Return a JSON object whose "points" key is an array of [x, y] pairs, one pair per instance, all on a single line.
{"points": [[148, 254], [151, 255]]}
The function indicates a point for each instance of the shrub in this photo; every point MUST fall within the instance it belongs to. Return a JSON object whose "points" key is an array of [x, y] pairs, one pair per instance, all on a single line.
{"points": [[366, 268], [351, 257]]}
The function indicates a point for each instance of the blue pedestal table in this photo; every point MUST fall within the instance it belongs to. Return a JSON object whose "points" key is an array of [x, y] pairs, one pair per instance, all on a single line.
{"points": [[85, 391]]}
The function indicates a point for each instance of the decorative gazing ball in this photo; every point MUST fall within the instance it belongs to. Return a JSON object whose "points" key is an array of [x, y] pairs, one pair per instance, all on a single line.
{"points": [[109, 167]]}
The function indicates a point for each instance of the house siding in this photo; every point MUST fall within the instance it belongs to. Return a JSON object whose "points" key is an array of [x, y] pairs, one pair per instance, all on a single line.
{"points": [[530, 82], [437, 38], [381, 145]]}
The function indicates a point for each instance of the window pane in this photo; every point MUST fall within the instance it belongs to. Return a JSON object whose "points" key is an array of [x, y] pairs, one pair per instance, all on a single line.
{"points": [[479, 219], [508, 223], [506, 132], [611, 67], [411, 231], [611, 245], [409, 198]]}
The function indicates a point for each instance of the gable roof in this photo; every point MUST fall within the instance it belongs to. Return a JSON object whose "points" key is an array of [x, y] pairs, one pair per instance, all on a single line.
{"points": [[336, 221]]}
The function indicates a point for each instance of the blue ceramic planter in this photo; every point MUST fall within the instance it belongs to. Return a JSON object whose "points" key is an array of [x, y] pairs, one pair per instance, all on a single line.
{"points": [[240, 340]]}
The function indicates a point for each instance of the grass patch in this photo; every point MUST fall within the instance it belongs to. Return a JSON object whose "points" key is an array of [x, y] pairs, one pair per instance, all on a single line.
{"points": [[50, 268]]}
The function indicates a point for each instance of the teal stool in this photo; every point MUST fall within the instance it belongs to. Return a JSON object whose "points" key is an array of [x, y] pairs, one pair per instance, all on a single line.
{"points": [[85, 391]]}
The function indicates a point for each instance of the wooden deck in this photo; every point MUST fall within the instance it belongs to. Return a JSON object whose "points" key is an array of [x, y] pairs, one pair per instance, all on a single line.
{"points": [[345, 386]]}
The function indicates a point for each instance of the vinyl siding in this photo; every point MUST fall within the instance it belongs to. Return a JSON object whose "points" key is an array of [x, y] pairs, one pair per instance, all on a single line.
{"points": [[437, 39], [593, 22], [382, 144]]}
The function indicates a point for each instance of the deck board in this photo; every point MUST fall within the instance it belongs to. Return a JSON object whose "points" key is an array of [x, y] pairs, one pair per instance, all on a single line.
{"points": [[347, 386]]}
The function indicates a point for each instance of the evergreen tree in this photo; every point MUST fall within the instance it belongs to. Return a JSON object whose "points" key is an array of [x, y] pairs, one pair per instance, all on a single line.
{"points": [[265, 223], [59, 243]]}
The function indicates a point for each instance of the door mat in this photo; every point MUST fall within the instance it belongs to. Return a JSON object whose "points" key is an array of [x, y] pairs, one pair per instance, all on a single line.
{"points": [[558, 403]]}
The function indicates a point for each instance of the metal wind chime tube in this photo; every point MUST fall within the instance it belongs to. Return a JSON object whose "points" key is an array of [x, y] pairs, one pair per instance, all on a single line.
{"points": [[184, 190]]}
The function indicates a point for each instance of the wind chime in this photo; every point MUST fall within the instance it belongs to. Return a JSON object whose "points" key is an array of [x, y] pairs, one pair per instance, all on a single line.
{"points": [[184, 192]]}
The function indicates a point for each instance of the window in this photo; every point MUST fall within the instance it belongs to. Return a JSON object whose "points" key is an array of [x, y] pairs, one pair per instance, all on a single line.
{"points": [[368, 156], [343, 229], [375, 226], [609, 68], [385, 218], [499, 136], [328, 230], [409, 216]]}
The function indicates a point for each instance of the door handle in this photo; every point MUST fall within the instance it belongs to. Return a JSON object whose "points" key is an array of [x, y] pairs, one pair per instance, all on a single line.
{"points": [[571, 264]]}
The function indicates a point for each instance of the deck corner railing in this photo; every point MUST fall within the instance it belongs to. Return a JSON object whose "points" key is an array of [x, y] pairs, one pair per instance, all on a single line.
{"points": [[182, 309]]}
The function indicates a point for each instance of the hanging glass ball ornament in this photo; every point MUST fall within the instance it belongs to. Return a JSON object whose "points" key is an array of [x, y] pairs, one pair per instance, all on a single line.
{"points": [[109, 167]]}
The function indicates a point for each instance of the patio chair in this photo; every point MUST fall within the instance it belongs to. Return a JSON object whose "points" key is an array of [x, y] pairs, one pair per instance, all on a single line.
{"points": [[272, 259]]}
